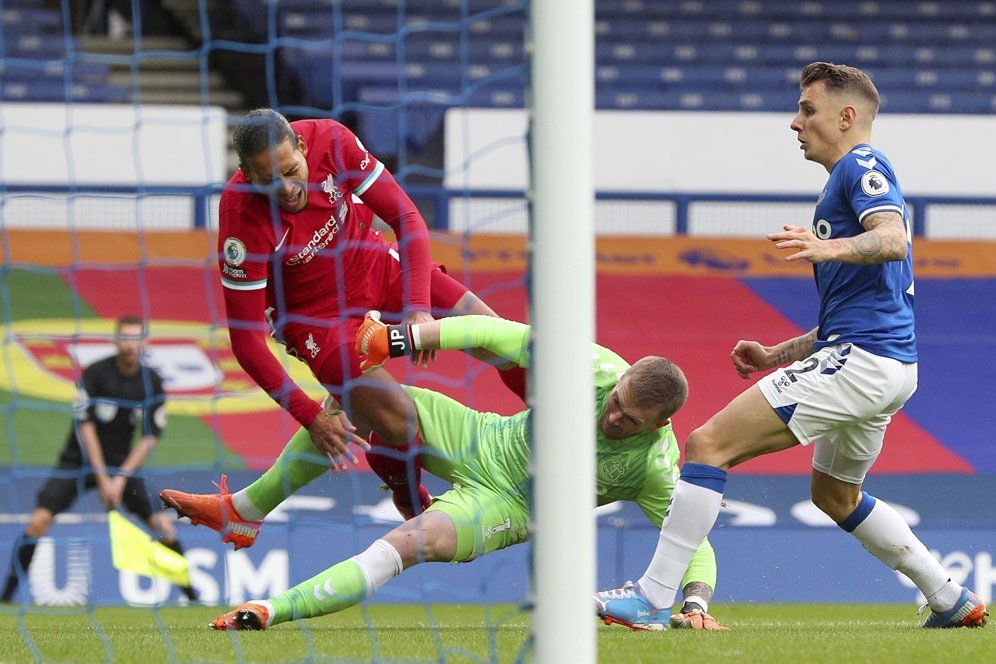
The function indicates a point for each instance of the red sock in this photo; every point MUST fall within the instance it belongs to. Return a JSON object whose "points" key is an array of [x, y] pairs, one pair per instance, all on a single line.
{"points": [[515, 380], [401, 470]]}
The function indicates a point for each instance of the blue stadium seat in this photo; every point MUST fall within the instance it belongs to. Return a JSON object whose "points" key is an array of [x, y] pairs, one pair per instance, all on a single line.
{"points": [[38, 46], [19, 70], [30, 20], [925, 55], [46, 91]]}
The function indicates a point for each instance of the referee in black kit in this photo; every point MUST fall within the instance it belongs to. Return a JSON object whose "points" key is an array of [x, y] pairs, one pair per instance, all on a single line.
{"points": [[118, 395]]}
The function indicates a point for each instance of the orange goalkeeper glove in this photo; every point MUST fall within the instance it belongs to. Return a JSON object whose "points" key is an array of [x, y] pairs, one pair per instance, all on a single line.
{"points": [[376, 342], [696, 620]]}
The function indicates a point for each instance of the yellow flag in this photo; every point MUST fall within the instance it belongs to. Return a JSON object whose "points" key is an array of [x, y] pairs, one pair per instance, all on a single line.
{"points": [[133, 550]]}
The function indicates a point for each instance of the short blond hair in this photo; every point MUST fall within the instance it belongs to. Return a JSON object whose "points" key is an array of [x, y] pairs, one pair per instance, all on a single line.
{"points": [[657, 383], [842, 79]]}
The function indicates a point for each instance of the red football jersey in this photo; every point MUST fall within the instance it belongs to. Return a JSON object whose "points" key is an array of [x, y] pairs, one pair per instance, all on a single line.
{"points": [[263, 246], [303, 264]]}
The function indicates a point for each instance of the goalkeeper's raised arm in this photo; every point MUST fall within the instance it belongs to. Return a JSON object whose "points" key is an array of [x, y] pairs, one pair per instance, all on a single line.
{"points": [[376, 342]]}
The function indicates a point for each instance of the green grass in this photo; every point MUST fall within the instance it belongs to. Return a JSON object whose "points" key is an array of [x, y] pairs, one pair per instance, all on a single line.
{"points": [[41, 293], [470, 633], [33, 433]]}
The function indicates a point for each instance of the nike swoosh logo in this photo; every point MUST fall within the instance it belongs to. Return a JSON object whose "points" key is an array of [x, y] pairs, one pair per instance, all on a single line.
{"points": [[282, 240]]}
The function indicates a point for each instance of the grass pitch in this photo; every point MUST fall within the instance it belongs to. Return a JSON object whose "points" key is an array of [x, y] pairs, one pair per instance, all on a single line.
{"points": [[448, 633]]}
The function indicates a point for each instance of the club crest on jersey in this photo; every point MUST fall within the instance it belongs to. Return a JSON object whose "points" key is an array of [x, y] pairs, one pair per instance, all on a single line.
{"points": [[235, 251], [610, 469], [328, 186], [874, 183]]}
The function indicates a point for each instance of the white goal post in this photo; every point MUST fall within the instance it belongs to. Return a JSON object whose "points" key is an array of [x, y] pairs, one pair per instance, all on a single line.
{"points": [[561, 389]]}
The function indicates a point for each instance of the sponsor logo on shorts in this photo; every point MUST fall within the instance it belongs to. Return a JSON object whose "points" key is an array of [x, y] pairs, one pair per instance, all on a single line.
{"points": [[780, 383], [499, 528]]}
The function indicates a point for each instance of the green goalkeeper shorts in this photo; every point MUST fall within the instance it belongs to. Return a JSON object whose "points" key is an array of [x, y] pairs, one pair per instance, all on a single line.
{"points": [[484, 455]]}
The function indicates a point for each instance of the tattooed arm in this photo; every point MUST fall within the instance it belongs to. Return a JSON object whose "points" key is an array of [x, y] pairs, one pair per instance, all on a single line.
{"points": [[884, 240], [750, 356], [696, 590]]}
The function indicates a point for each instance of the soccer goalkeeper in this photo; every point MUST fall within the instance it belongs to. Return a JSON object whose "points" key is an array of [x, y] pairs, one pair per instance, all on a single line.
{"points": [[486, 458]]}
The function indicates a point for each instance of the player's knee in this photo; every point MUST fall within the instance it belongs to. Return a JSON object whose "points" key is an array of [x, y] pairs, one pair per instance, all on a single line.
{"points": [[423, 539], [391, 417], [702, 447], [39, 523]]}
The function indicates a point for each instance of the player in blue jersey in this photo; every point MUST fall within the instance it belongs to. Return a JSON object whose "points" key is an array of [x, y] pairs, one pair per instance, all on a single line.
{"points": [[846, 378]]}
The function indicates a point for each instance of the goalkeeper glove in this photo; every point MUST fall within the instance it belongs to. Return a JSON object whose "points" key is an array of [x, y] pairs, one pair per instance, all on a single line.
{"points": [[376, 342], [696, 620]]}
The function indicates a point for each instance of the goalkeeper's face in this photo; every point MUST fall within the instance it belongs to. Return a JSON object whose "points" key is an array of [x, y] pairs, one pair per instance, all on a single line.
{"points": [[281, 173], [622, 418]]}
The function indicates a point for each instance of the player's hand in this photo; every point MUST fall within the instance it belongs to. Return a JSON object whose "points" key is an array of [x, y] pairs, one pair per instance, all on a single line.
{"points": [[376, 342], [107, 491], [696, 620], [810, 247], [371, 342], [118, 484], [421, 358], [331, 434], [749, 357]]}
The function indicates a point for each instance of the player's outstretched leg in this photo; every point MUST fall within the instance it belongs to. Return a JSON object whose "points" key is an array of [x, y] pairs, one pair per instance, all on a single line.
{"points": [[341, 586], [969, 611], [253, 616], [215, 511], [630, 607]]}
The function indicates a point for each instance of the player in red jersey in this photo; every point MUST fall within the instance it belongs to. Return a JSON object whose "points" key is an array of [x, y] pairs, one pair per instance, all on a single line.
{"points": [[301, 260]]}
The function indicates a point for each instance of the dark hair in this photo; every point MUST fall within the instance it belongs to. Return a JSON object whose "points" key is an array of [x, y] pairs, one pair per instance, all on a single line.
{"points": [[129, 319], [841, 78], [657, 383], [259, 131]]}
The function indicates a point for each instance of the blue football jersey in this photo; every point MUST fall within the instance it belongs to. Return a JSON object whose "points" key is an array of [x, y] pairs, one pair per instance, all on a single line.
{"points": [[868, 305]]}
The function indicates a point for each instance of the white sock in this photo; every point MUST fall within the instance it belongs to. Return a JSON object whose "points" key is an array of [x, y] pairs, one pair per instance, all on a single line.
{"points": [[689, 519], [380, 563], [245, 508], [887, 536]]}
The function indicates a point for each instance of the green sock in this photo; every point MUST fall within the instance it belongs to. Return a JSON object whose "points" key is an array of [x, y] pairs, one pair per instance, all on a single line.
{"points": [[297, 465], [339, 587]]}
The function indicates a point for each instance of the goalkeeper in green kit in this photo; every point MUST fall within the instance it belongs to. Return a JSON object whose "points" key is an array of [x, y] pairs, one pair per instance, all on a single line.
{"points": [[486, 457]]}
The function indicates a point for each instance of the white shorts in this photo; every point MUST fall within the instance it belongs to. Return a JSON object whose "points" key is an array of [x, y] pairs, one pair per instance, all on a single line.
{"points": [[841, 399]]}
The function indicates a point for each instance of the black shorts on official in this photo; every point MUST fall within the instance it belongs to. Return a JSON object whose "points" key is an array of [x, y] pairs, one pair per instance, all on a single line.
{"points": [[60, 492]]}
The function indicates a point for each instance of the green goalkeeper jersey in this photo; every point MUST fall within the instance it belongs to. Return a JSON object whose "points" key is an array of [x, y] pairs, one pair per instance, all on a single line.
{"points": [[642, 468]]}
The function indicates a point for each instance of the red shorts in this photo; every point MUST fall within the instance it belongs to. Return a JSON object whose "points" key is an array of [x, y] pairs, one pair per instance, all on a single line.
{"points": [[327, 346]]}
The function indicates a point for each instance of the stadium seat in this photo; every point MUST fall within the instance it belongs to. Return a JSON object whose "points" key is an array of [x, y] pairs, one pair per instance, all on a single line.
{"points": [[925, 56]]}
